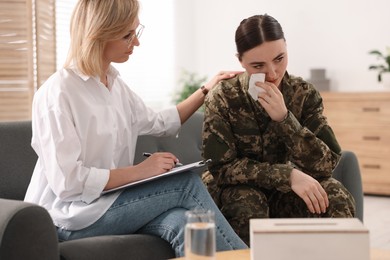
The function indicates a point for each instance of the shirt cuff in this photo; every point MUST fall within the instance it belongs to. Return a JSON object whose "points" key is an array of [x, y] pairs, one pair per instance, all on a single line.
{"points": [[289, 126], [171, 118], [283, 182], [97, 180]]}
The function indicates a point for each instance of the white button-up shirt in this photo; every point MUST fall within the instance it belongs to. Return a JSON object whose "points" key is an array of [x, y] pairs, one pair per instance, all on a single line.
{"points": [[81, 130]]}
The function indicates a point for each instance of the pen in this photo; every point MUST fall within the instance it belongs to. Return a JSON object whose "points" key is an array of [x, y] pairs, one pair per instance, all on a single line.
{"points": [[146, 154], [149, 154]]}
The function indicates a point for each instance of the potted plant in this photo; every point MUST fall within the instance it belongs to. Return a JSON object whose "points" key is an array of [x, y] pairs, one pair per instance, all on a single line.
{"points": [[190, 83], [382, 68]]}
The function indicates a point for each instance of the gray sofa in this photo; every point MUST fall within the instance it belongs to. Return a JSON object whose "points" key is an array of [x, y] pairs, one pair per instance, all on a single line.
{"points": [[27, 232]]}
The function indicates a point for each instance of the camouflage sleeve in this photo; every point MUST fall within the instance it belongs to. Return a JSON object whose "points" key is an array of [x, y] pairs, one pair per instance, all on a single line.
{"points": [[228, 166], [312, 143]]}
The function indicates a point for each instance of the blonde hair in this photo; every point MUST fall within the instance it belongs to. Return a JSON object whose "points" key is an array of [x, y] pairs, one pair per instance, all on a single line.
{"points": [[93, 24]]}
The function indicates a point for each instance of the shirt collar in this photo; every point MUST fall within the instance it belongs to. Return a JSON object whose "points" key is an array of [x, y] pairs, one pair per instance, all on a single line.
{"points": [[112, 73]]}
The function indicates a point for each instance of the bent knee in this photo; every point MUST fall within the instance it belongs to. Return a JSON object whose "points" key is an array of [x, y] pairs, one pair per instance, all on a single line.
{"points": [[341, 201], [244, 201]]}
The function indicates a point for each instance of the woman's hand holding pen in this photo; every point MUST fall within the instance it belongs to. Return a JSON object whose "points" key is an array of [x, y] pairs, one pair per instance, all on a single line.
{"points": [[158, 163], [155, 164]]}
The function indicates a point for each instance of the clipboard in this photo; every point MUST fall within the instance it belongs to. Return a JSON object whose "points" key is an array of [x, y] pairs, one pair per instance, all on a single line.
{"points": [[175, 170]]}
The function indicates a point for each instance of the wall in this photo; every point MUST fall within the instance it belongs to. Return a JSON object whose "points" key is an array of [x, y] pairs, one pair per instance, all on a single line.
{"points": [[334, 34]]}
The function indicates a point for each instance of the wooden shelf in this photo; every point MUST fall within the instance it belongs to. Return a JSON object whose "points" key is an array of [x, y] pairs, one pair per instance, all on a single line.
{"points": [[361, 122]]}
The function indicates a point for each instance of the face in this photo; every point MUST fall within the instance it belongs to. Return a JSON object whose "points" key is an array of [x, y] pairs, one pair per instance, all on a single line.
{"points": [[269, 58], [119, 50]]}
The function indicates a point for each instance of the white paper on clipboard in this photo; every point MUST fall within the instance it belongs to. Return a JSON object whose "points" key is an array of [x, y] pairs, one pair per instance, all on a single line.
{"points": [[175, 170]]}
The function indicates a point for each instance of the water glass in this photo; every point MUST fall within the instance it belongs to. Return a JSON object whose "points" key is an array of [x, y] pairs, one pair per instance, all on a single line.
{"points": [[200, 235]]}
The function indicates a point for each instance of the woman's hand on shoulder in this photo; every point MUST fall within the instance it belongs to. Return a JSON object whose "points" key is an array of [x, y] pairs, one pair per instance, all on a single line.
{"points": [[220, 76]]}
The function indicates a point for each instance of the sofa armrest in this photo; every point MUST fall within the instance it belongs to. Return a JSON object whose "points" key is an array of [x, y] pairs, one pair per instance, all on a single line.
{"points": [[26, 232], [348, 173]]}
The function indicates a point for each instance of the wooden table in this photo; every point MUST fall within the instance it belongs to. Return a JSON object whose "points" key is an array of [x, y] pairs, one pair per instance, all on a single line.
{"points": [[375, 254]]}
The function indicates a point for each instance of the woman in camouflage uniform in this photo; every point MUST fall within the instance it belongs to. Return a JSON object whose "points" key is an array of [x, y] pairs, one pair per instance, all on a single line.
{"points": [[273, 156]]}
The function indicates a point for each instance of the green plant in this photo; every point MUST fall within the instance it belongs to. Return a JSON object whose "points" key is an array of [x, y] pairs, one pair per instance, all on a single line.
{"points": [[190, 82], [384, 67]]}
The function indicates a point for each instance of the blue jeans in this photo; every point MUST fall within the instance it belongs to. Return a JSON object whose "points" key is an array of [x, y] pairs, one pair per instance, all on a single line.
{"points": [[158, 208]]}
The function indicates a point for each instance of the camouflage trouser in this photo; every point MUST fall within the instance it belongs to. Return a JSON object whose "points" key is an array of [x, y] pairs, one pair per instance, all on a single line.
{"points": [[242, 202]]}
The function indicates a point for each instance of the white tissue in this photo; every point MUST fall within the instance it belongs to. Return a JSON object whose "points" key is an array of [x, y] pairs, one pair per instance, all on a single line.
{"points": [[253, 89]]}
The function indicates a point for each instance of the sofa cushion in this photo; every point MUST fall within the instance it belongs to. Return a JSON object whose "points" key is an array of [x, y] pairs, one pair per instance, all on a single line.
{"points": [[17, 159], [135, 247]]}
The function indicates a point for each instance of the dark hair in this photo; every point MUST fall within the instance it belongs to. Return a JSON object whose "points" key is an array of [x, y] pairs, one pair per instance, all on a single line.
{"points": [[255, 30]]}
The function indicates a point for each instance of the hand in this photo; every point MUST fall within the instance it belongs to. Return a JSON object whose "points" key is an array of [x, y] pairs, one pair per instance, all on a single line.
{"points": [[158, 163], [310, 190], [272, 101], [220, 76]]}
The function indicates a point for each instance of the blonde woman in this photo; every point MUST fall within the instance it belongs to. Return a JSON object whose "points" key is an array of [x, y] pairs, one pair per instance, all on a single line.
{"points": [[85, 126]]}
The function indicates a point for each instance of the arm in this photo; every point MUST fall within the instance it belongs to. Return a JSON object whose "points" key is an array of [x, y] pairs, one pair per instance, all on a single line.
{"points": [[159, 163], [311, 143], [305, 132], [228, 169], [232, 163], [155, 164], [310, 140], [70, 175]]}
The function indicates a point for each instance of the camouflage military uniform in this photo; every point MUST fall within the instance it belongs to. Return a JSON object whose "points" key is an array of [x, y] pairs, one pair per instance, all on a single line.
{"points": [[253, 156]]}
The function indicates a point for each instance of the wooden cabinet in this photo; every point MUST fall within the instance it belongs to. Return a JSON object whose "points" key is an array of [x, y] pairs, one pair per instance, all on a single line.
{"points": [[361, 122]]}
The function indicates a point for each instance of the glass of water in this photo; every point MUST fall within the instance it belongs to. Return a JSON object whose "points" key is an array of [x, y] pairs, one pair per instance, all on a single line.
{"points": [[200, 235]]}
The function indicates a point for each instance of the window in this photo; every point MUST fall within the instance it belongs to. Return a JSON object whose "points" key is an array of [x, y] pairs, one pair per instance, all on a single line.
{"points": [[34, 40], [27, 53]]}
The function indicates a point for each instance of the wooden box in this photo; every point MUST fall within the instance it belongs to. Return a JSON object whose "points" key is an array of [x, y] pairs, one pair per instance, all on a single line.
{"points": [[308, 239]]}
